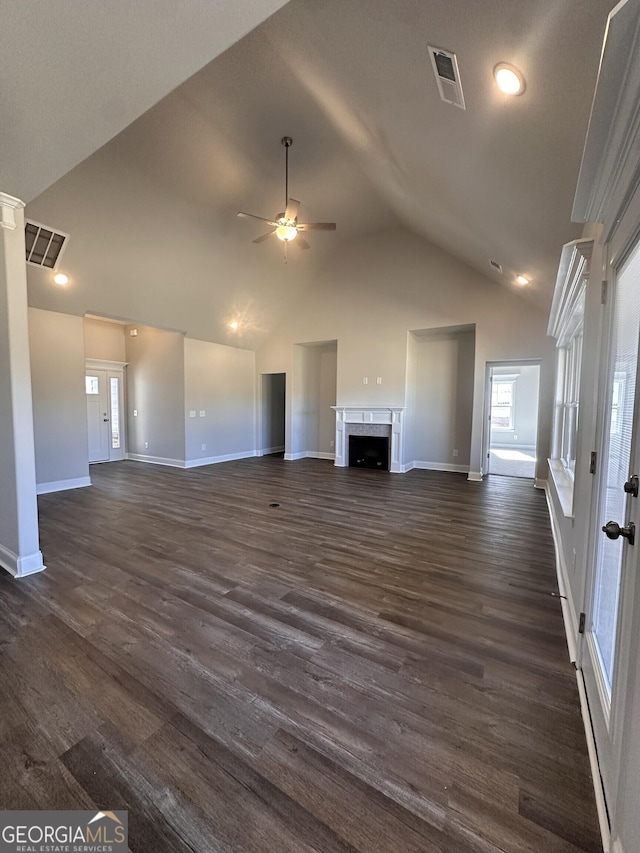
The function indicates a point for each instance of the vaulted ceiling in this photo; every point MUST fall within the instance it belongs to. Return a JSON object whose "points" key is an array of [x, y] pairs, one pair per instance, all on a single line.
{"points": [[374, 147]]}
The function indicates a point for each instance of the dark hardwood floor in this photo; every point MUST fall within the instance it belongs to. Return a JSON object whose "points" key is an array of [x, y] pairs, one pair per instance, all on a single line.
{"points": [[375, 664]]}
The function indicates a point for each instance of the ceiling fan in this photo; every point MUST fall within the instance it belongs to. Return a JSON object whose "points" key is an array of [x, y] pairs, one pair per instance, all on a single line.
{"points": [[285, 225]]}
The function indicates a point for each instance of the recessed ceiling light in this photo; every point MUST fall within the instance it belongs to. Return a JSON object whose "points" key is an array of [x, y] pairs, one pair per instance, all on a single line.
{"points": [[234, 325], [61, 279], [522, 280], [509, 79]]}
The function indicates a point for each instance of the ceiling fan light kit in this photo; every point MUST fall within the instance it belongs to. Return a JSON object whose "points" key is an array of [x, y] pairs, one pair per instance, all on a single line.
{"points": [[285, 225]]}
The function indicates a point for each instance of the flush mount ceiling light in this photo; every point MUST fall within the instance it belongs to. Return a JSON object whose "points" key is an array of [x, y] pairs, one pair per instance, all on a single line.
{"points": [[509, 79], [61, 279], [234, 325], [522, 280]]}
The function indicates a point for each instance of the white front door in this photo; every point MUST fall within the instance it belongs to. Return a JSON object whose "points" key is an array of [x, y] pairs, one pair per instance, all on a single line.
{"points": [[97, 391], [605, 654]]}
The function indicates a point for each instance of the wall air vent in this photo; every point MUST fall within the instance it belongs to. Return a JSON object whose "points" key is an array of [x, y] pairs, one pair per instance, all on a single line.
{"points": [[44, 245], [496, 265], [445, 68]]}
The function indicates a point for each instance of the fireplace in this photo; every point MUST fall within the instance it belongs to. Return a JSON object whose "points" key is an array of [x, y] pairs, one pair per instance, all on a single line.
{"points": [[369, 451], [373, 421]]}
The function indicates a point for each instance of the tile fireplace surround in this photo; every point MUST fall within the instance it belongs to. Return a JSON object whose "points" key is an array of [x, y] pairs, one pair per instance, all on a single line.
{"points": [[371, 419]]}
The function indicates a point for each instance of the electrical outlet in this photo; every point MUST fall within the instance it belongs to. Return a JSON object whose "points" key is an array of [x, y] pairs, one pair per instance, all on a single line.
{"points": [[515, 437], [378, 380], [202, 413], [146, 445], [455, 452], [204, 446], [135, 413], [192, 413], [365, 380], [332, 444]]}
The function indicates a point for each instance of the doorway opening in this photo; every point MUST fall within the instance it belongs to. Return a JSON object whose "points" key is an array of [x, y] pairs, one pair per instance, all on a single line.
{"points": [[274, 386], [512, 419]]}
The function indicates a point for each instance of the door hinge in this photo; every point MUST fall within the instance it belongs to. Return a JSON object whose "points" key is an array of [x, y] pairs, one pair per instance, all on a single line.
{"points": [[605, 289], [581, 624], [592, 463]]}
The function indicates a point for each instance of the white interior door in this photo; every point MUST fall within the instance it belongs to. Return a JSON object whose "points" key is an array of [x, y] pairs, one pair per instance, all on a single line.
{"points": [[97, 391], [605, 657]]}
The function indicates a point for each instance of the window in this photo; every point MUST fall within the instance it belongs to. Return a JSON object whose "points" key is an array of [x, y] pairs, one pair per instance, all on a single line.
{"points": [[502, 402], [92, 385], [570, 362], [114, 383], [566, 325]]}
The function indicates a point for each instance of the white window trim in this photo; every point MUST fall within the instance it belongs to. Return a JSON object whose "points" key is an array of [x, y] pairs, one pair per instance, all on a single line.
{"points": [[566, 323]]}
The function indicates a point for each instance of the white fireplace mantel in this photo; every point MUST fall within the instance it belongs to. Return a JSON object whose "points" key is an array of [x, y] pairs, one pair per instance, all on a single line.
{"points": [[392, 415]]}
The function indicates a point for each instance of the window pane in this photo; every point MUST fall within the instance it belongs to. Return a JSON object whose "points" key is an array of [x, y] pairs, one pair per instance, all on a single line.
{"points": [[502, 394], [92, 385], [115, 412]]}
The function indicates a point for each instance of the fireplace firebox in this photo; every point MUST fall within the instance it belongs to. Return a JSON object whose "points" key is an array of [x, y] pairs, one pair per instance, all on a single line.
{"points": [[369, 451]]}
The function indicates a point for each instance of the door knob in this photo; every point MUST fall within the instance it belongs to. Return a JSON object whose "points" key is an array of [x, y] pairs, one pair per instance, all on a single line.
{"points": [[613, 531], [632, 486]]}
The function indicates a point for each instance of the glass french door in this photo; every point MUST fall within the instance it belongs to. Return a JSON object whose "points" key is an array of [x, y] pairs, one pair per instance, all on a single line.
{"points": [[604, 661]]}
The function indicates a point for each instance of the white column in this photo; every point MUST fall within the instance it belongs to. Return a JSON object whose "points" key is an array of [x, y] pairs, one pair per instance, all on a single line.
{"points": [[19, 544]]}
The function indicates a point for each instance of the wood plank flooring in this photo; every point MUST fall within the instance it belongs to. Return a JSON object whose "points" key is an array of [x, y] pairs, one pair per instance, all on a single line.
{"points": [[375, 664]]}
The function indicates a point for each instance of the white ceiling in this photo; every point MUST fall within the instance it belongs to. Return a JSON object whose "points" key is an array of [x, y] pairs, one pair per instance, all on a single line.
{"points": [[74, 73], [374, 146]]}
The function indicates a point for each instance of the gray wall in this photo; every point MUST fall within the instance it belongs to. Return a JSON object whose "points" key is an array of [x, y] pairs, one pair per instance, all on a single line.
{"points": [[371, 293], [313, 394], [525, 415], [442, 413], [273, 412], [155, 389], [219, 381], [59, 401], [104, 340]]}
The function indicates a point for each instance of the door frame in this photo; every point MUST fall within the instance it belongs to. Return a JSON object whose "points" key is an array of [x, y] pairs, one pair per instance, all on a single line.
{"points": [[119, 369], [624, 238], [486, 418]]}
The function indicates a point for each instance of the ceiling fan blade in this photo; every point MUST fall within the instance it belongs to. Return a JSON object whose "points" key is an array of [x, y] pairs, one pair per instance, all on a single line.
{"points": [[316, 226], [261, 218], [292, 209], [300, 241], [264, 237]]}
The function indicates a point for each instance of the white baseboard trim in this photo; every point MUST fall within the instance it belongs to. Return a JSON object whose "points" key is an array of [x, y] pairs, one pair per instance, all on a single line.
{"points": [[268, 450], [214, 460], [601, 805], [293, 457], [475, 476], [569, 613], [313, 455], [62, 485], [539, 483], [20, 567], [156, 460], [440, 466], [406, 467]]}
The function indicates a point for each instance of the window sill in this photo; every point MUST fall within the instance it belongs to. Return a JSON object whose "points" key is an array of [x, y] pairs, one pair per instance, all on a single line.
{"points": [[563, 485]]}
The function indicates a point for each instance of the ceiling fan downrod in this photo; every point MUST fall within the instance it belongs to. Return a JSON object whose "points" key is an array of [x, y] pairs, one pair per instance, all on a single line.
{"points": [[287, 141]]}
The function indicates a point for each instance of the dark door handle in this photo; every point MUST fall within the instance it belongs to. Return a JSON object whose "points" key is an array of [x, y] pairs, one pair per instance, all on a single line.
{"points": [[613, 531], [632, 486]]}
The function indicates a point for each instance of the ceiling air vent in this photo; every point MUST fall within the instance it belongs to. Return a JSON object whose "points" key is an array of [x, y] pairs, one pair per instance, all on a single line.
{"points": [[496, 265], [44, 245], [445, 67]]}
